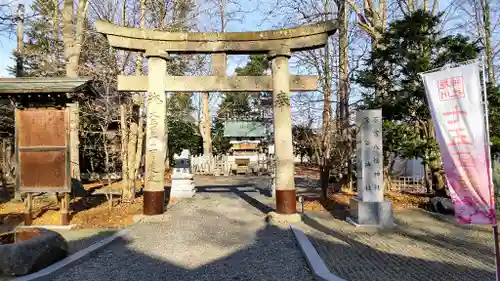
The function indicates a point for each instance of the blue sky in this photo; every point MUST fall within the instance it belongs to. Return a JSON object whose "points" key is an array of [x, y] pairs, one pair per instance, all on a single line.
{"points": [[248, 22], [6, 48], [8, 41]]}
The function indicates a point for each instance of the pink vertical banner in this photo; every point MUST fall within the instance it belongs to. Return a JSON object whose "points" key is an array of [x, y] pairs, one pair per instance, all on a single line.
{"points": [[455, 102]]}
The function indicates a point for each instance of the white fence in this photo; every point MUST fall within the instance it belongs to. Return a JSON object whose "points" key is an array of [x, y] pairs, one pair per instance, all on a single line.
{"points": [[228, 164]]}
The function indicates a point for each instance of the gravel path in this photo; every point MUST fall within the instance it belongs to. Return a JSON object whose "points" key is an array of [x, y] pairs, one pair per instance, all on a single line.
{"points": [[213, 236], [423, 247]]}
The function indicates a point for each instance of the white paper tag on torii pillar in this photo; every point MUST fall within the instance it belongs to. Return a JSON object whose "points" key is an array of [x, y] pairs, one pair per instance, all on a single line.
{"points": [[154, 144]]}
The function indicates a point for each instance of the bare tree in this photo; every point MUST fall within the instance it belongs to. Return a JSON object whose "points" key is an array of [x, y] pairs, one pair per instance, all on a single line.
{"points": [[334, 66], [73, 28], [8, 16], [483, 25]]}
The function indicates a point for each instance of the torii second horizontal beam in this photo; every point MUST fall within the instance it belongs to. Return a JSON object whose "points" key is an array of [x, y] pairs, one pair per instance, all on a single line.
{"points": [[217, 83]]}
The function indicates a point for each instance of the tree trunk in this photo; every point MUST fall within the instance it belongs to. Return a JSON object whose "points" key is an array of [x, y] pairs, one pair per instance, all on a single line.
{"points": [[167, 152], [106, 166], [20, 41], [327, 114], [387, 173], [72, 48], [324, 178], [4, 163], [131, 152], [427, 181], [74, 144], [206, 132], [437, 178], [140, 141], [140, 103], [387, 179], [487, 41], [343, 96], [124, 151]]}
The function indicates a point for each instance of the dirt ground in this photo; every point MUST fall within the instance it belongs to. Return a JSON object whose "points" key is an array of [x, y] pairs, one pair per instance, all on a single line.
{"points": [[90, 211], [94, 211], [338, 203]]}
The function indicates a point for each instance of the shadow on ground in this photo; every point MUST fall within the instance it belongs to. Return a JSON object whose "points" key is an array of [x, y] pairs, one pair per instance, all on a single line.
{"points": [[355, 260], [262, 259], [121, 262], [241, 191], [359, 260], [6, 193], [128, 259]]}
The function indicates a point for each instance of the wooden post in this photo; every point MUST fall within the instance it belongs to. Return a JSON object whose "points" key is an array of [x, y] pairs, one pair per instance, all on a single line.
{"points": [[497, 252], [28, 209], [65, 209], [156, 131]]}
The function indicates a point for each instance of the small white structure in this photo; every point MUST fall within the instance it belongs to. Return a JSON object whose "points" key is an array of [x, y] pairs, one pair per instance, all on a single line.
{"points": [[182, 177]]}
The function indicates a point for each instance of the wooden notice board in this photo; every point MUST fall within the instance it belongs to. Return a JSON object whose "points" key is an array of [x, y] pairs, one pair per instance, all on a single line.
{"points": [[42, 150]]}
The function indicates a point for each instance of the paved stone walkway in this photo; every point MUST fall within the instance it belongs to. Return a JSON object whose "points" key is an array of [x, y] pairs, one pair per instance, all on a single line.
{"points": [[213, 236], [423, 247]]}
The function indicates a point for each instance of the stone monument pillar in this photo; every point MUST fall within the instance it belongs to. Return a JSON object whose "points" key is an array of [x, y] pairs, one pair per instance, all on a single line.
{"points": [[182, 177], [369, 207], [156, 132], [286, 210]]}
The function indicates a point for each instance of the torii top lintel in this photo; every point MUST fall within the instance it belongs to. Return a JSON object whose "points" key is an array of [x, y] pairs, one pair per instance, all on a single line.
{"points": [[296, 39]]}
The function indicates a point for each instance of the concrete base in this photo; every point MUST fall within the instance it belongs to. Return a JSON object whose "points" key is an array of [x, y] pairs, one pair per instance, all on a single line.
{"points": [[182, 193], [141, 218], [156, 218], [371, 213], [275, 218], [182, 188]]}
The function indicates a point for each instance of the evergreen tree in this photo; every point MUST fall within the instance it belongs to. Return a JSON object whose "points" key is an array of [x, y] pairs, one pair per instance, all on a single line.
{"points": [[182, 135], [220, 143], [242, 105], [43, 48], [412, 45], [246, 104], [494, 119]]}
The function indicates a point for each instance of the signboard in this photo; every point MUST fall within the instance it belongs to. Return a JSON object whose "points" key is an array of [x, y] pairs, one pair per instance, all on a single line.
{"points": [[42, 150], [455, 102]]}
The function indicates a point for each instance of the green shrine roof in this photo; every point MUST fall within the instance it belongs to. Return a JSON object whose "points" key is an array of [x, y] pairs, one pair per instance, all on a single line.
{"points": [[45, 85], [242, 129]]}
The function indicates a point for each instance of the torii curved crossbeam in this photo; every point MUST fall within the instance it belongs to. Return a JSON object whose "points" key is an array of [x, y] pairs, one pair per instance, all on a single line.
{"points": [[296, 39]]}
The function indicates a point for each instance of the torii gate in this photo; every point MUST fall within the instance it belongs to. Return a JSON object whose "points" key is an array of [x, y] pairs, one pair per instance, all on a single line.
{"points": [[278, 44]]}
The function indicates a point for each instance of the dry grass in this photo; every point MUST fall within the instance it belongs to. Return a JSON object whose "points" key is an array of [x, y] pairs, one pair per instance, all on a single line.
{"points": [[311, 172], [337, 200], [93, 211], [338, 203], [90, 211]]}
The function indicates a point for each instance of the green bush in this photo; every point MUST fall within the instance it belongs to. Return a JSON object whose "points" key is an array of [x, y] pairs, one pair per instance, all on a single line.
{"points": [[496, 182]]}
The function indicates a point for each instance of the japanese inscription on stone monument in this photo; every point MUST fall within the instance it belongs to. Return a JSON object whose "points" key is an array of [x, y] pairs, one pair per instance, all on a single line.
{"points": [[370, 179]]}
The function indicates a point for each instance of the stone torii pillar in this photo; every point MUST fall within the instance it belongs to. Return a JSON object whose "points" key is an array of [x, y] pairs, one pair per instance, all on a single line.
{"points": [[156, 133], [286, 210]]}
